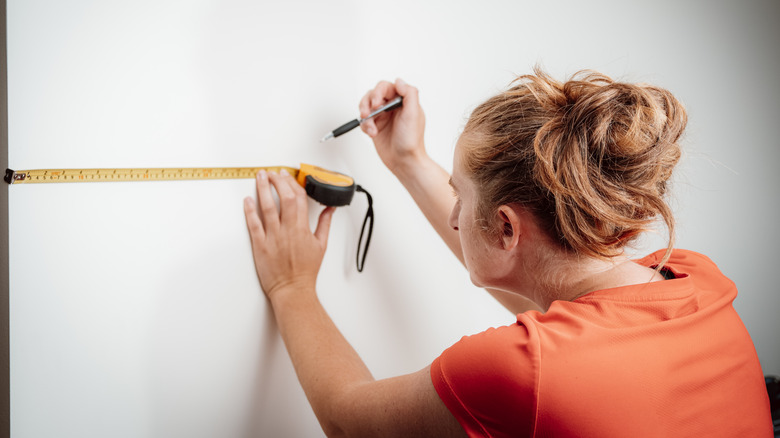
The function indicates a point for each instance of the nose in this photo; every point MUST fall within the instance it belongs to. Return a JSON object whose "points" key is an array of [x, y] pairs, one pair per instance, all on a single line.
{"points": [[453, 219]]}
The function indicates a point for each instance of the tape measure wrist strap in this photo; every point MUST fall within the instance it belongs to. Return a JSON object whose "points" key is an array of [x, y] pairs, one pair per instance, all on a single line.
{"points": [[369, 219]]}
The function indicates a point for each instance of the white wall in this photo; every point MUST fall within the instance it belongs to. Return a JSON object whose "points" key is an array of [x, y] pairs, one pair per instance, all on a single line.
{"points": [[135, 310]]}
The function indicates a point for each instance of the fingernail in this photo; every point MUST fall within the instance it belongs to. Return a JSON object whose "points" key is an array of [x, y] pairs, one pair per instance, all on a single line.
{"points": [[262, 174], [284, 172], [400, 81]]}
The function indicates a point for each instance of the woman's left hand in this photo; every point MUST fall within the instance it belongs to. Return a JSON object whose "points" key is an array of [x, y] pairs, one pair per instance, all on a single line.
{"points": [[287, 254]]}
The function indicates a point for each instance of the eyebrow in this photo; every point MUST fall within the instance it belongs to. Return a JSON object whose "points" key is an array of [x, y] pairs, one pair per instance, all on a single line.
{"points": [[452, 184]]}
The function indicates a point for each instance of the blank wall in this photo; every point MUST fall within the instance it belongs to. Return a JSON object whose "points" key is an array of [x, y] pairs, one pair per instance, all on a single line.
{"points": [[134, 307]]}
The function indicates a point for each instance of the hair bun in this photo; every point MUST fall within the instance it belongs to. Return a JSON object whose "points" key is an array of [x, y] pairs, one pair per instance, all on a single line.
{"points": [[624, 119], [602, 154]]}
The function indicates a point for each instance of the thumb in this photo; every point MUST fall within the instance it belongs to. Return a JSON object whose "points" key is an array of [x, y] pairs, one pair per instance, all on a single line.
{"points": [[323, 226]]}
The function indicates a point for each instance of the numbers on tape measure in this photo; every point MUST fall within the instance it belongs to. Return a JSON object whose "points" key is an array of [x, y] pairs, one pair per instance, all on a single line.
{"points": [[139, 174], [324, 186]]}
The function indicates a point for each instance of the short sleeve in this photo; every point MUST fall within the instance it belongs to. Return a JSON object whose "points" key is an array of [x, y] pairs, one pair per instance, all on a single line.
{"points": [[488, 381]]}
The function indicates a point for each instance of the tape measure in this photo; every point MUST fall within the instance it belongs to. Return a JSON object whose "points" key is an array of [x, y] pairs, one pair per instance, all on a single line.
{"points": [[329, 188], [324, 186]]}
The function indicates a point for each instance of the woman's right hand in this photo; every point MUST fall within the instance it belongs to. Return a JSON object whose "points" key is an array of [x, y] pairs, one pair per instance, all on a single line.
{"points": [[398, 134]]}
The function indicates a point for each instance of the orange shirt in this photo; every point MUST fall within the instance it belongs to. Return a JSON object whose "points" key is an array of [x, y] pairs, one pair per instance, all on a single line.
{"points": [[662, 359]]}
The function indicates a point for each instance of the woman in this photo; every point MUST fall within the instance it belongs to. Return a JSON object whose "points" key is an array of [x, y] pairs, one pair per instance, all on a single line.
{"points": [[552, 180]]}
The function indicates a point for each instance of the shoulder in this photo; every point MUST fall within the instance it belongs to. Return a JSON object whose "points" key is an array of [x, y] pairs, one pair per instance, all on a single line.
{"points": [[681, 260], [491, 376], [700, 269], [494, 350]]}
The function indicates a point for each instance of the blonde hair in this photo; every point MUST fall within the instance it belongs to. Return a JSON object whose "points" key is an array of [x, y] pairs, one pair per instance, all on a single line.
{"points": [[590, 158]]}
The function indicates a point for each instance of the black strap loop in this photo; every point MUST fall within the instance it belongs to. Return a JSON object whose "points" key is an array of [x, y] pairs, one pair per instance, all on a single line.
{"points": [[361, 262]]}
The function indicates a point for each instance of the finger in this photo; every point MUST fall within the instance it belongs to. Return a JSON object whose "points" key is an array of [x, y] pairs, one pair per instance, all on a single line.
{"points": [[382, 120], [288, 203], [383, 92], [375, 97], [408, 92], [370, 128], [323, 226], [364, 107], [301, 198], [387, 92], [268, 213], [256, 232], [411, 109]]}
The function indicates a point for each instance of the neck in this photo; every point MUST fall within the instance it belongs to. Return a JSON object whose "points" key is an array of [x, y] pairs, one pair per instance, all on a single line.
{"points": [[569, 277]]}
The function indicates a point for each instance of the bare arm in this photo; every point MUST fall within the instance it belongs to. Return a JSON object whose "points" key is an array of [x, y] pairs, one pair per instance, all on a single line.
{"points": [[344, 396], [428, 183], [398, 138]]}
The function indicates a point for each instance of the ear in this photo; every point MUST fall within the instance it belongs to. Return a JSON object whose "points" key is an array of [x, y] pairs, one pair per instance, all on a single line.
{"points": [[509, 222]]}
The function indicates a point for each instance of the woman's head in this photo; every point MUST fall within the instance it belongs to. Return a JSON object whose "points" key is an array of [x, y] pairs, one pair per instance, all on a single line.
{"points": [[589, 158]]}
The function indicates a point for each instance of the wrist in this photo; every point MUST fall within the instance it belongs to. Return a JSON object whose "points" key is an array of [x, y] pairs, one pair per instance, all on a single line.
{"points": [[290, 306], [412, 166], [281, 294]]}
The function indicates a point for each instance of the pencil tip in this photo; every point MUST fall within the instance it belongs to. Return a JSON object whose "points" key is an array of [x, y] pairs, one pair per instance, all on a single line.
{"points": [[327, 137]]}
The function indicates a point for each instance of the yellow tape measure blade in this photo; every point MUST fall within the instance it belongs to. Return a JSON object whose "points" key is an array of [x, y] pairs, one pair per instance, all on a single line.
{"points": [[136, 174], [324, 186]]}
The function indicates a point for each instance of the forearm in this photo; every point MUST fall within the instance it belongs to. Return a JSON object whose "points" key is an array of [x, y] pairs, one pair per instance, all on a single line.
{"points": [[326, 364], [428, 183]]}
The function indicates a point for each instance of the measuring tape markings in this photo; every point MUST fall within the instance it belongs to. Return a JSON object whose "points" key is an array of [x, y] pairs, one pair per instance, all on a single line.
{"points": [[324, 186], [136, 174]]}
